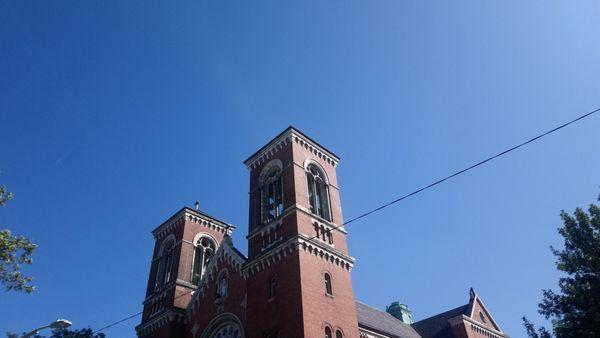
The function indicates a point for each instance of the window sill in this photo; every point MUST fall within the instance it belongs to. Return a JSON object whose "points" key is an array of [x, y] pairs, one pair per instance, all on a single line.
{"points": [[329, 295], [271, 299]]}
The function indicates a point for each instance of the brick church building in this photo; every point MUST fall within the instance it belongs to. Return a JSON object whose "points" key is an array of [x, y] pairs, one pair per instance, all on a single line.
{"points": [[296, 280]]}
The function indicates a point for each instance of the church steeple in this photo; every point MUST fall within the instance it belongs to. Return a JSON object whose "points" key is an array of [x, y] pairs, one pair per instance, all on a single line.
{"points": [[297, 252]]}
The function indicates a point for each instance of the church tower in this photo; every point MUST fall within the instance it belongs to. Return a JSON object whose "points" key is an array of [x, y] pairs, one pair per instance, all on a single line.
{"points": [[184, 246], [298, 269]]}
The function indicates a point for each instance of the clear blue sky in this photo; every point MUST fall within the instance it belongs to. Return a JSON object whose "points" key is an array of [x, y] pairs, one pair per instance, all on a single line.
{"points": [[115, 114]]}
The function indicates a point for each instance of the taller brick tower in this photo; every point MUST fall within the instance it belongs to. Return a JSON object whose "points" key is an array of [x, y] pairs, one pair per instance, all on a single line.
{"points": [[298, 268]]}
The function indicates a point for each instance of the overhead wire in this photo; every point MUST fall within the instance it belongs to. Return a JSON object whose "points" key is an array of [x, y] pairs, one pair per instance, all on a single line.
{"points": [[419, 190]]}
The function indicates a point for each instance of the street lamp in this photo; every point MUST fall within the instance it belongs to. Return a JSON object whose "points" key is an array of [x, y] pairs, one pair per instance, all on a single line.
{"points": [[57, 324]]}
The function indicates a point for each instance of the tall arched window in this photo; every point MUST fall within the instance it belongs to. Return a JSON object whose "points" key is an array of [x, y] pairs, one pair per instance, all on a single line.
{"points": [[168, 264], [165, 264], [318, 194], [328, 332], [272, 194], [328, 286], [205, 249], [338, 334]]}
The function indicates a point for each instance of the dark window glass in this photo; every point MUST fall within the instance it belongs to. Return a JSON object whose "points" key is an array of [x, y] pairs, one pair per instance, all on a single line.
{"points": [[338, 334], [328, 332], [205, 248], [328, 287], [272, 196], [318, 193], [272, 287]]}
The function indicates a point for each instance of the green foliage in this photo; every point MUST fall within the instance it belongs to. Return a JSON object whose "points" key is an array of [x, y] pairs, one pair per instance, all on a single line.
{"points": [[83, 333], [575, 310], [541, 333], [14, 251], [5, 196], [65, 333]]}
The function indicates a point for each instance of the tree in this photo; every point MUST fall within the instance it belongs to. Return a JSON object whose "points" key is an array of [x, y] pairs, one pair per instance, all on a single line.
{"points": [[14, 251], [64, 333], [575, 310]]}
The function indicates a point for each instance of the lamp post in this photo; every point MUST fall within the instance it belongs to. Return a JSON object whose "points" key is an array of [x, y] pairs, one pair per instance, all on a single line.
{"points": [[57, 324]]}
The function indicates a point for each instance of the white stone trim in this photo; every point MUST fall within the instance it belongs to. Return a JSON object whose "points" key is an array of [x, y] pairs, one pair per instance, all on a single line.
{"points": [[364, 333], [153, 324], [225, 252], [310, 161], [265, 170], [290, 135], [198, 218], [315, 149]]}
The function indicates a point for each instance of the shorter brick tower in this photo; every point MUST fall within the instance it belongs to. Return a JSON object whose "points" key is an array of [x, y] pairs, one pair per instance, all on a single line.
{"points": [[184, 245]]}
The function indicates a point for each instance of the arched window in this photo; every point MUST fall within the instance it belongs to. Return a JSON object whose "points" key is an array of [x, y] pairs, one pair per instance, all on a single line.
{"points": [[328, 332], [272, 195], [328, 286], [318, 194], [272, 287], [168, 264], [165, 264], [205, 249], [338, 334], [222, 286]]}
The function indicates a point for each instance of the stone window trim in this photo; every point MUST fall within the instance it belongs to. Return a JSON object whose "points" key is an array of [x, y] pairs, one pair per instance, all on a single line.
{"points": [[271, 192], [165, 263], [221, 321], [328, 283], [339, 333], [208, 245], [317, 185], [328, 332]]}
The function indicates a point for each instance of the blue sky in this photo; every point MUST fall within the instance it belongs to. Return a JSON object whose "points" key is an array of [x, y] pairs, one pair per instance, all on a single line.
{"points": [[115, 114]]}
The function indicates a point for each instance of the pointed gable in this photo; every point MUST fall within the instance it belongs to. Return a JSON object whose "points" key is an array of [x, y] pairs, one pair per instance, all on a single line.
{"points": [[479, 312]]}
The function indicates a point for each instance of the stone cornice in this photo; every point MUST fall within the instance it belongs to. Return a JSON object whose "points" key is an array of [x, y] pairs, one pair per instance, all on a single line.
{"points": [[325, 252], [299, 242], [165, 317], [193, 216], [291, 135], [475, 325]]}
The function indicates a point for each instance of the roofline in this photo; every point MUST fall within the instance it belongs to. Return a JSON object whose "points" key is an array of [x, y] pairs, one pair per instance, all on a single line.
{"points": [[199, 213], [441, 313], [294, 129]]}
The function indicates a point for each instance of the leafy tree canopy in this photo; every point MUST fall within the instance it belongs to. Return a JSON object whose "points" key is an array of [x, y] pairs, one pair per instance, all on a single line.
{"points": [[14, 252], [575, 310], [65, 333]]}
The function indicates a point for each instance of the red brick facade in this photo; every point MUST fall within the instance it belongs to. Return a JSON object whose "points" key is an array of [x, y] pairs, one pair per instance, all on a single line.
{"points": [[296, 280]]}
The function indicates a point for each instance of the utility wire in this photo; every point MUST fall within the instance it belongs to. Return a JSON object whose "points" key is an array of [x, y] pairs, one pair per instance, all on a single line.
{"points": [[134, 315], [403, 197], [462, 171]]}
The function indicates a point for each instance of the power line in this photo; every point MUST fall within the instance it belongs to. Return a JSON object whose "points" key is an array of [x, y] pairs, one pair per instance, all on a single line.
{"points": [[462, 171], [134, 315], [403, 197]]}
